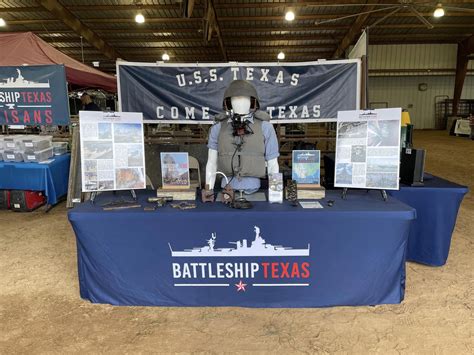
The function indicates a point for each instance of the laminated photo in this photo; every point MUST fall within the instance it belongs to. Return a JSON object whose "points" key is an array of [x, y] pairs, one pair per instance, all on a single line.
{"points": [[128, 133], [130, 178], [97, 150]]}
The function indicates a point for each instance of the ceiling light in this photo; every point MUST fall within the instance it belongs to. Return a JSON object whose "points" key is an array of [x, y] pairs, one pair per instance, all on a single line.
{"points": [[139, 18], [165, 57], [439, 12], [2, 22], [289, 16], [281, 56], [96, 64]]}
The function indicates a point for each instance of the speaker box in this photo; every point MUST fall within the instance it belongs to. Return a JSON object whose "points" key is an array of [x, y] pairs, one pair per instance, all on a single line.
{"points": [[412, 166], [26, 201], [4, 199]]}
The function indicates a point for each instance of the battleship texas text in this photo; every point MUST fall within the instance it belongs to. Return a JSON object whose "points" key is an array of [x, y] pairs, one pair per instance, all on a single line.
{"points": [[235, 270], [269, 270]]}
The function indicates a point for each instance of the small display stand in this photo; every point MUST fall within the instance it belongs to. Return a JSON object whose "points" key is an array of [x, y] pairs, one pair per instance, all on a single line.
{"points": [[95, 193], [383, 192]]}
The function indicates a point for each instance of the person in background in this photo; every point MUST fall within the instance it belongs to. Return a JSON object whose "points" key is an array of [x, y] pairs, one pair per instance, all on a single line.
{"points": [[88, 104]]}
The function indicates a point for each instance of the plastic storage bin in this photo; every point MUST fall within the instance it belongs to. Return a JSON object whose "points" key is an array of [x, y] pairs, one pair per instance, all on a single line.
{"points": [[35, 143], [38, 156], [11, 143], [59, 148], [12, 156]]}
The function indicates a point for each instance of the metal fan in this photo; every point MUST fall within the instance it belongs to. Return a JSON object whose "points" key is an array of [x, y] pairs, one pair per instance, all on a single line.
{"points": [[401, 5]]}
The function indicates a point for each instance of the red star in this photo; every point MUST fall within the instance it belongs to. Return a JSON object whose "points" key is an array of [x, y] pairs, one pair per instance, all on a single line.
{"points": [[240, 286]]}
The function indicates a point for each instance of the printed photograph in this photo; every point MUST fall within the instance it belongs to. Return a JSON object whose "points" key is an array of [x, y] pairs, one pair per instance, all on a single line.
{"points": [[128, 133], [97, 150], [352, 130], [344, 174], [92, 176], [135, 155], [382, 180], [105, 185], [130, 178], [358, 154], [90, 166], [90, 186], [105, 131], [383, 133], [382, 165]]}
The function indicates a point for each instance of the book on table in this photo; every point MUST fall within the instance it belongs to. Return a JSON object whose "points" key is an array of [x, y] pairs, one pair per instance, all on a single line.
{"points": [[175, 170], [305, 167]]}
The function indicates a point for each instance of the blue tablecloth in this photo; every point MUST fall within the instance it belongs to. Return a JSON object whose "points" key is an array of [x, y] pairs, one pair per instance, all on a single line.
{"points": [[274, 255], [437, 204], [51, 178]]}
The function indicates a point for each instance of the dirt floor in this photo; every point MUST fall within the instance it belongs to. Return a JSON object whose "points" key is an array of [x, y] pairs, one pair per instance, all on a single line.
{"points": [[41, 311]]}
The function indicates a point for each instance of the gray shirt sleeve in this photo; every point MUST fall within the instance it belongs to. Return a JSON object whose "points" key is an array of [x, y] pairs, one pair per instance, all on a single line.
{"points": [[271, 141]]}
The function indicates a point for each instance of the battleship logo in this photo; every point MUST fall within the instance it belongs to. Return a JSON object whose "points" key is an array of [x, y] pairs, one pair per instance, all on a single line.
{"points": [[20, 82], [274, 273]]}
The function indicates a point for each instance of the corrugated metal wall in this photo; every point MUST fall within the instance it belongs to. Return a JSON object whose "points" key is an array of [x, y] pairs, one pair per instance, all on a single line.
{"points": [[390, 85], [402, 91]]}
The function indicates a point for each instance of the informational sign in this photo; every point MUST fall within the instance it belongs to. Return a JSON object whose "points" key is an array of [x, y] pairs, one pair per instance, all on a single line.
{"points": [[368, 149], [34, 95], [193, 93], [112, 151]]}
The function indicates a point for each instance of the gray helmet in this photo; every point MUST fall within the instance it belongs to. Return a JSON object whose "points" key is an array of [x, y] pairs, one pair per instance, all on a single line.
{"points": [[240, 88]]}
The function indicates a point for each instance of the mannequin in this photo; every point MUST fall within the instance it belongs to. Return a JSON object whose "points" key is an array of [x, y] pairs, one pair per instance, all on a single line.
{"points": [[240, 100]]}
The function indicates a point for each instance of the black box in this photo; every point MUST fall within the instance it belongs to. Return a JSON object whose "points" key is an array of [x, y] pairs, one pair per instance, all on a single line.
{"points": [[412, 166], [4, 199]]}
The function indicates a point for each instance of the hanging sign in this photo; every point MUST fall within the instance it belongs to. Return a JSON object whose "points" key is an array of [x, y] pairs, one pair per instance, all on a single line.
{"points": [[34, 95], [193, 93]]}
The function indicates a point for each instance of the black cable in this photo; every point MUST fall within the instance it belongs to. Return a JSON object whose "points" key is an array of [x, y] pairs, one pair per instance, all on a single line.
{"points": [[237, 147]]}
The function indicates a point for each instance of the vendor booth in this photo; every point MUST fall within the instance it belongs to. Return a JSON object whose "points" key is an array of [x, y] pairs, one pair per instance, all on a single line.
{"points": [[34, 77], [236, 244]]}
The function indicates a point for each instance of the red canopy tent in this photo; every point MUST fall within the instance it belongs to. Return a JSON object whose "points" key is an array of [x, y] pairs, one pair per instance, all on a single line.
{"points": [[26, 48]]}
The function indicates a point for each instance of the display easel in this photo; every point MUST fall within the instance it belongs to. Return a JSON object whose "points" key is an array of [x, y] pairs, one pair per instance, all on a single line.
{"points": [[383, 192], [95, 193]]}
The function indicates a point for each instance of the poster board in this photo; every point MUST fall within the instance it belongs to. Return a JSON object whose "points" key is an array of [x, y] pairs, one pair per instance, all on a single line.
{"points": [[368, 149], [112, 151], [192, 93]]}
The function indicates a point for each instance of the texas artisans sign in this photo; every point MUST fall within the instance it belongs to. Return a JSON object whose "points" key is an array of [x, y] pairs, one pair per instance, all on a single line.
{"points": [[34, 95]]}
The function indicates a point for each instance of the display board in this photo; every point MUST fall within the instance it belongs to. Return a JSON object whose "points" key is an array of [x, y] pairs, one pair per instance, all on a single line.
{"points": [[368, 149], [34, 95], [112, 151], [193, 93]]}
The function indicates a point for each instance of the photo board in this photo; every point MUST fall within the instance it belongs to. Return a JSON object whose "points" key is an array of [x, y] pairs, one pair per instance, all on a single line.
{"points": [[368, 149], [112, 151]]}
